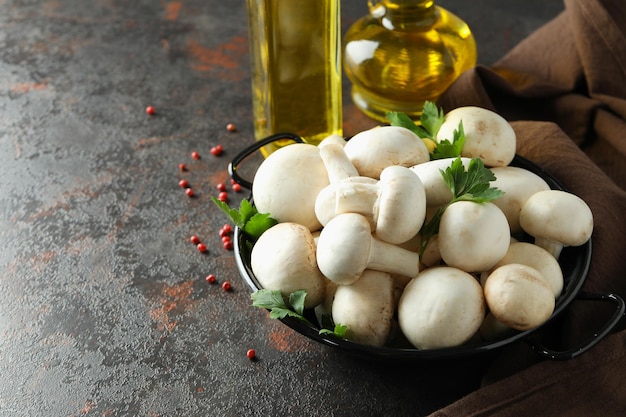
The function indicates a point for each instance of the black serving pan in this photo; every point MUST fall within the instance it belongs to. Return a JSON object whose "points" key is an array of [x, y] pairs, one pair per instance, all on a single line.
{"points": [[574, 262]]}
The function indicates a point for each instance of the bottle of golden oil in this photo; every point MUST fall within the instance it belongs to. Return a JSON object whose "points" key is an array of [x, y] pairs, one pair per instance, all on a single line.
{"points": [[295, 51], [404, 53]]}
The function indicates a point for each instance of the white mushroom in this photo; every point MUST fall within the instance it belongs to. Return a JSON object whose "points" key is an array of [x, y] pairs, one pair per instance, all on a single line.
{"points": [[519, 297], [334, 138], [473, 236], [518, 184], [287, 182], [488, 135], [557, 219], [436, 189], [536, 257], [350, 195], [366, 308], [337, 163], [283, 258], [395, 205], [346, 248], [441, 307], [373, 150]]}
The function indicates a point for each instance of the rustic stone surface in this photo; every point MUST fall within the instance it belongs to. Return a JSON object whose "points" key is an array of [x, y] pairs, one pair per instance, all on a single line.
{"points": [[104, 309]]}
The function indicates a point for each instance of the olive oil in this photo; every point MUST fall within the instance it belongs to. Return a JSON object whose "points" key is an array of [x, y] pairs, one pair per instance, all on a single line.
{"points": [[404, 53], [295, 48]]}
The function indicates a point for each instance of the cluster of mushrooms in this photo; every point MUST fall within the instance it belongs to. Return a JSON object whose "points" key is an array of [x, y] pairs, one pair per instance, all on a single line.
{"points": [[349, 218]]}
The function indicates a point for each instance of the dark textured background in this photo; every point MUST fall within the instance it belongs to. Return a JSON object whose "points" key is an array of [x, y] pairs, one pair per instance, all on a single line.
{"points": [[104, 310]]}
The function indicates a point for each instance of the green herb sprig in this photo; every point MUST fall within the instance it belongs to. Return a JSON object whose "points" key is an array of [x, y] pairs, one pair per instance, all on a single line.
{"points": [[274, 301], [431, 120], [466, 185], [247, 218]]}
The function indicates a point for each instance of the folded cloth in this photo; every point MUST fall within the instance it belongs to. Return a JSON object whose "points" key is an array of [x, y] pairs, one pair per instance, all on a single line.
{"points": [[564, 91]]}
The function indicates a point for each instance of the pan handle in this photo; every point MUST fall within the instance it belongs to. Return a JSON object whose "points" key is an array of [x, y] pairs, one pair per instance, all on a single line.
{"points": [[246, 152], [608, 326]]}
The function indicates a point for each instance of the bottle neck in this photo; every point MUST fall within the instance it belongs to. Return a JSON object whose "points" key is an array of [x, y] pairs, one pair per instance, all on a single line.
{"points": [[404, 14]]}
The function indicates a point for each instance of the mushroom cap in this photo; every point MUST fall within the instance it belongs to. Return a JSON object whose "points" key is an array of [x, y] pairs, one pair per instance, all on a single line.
{"points": [[343, 248], [436, 189], [519, 297], [473, 236], [350, 195], [488, 135], [283, 258], [441, 307], [366, 308], [536, 257], [557, 216], [401, 206], [373, 150], [518, 185], [287, 182]]}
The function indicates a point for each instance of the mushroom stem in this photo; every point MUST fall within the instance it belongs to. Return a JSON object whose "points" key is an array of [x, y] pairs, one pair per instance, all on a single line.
{"points": [[393, 259], [346, 248], [337, 163], [552, 246]]}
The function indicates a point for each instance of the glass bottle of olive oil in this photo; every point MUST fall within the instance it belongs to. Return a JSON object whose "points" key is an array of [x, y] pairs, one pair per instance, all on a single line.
{"points": [[295, 51], [404, 53]]}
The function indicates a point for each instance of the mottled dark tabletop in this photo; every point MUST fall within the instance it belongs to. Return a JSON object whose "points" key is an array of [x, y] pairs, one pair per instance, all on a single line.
{"points": [[104, 307]]}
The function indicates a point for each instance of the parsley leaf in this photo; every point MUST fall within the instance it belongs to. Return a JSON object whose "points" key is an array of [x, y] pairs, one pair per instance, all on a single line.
{"points": [[247, 218], [471, 185], [430, 123], [274, 301], [432, 118], [450, 149], [339, 331], [402, 120]]}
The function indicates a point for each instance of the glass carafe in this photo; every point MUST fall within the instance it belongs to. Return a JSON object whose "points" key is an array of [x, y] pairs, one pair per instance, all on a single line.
{"points": [[295, 51], [403, 53]]}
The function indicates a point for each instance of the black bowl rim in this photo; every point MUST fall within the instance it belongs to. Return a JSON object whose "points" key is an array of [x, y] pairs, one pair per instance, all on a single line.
{"points": [[576, 260]]}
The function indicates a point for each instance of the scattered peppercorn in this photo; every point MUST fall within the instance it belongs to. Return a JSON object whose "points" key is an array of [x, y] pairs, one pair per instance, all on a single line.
{"points": [[221, 186], [150, 110], [226, 286], [227, 228], [251, 354], [217, 150], [195, 155], [201, 247], [183, 183], [223, 196], [226, 239], [210, 278], [189, 192], [182, 167], [228, 245], [194, 239], [236, 187], [231, 127]]}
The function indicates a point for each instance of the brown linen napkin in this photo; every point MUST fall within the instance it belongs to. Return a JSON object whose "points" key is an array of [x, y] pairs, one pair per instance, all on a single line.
{"points": [[564, 90]]}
